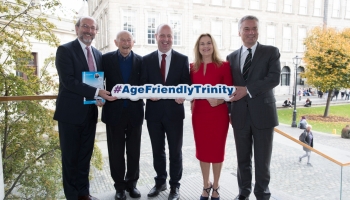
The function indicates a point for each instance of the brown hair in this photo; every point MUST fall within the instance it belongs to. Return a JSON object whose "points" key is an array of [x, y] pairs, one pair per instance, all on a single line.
{"points": [[198, 59]]}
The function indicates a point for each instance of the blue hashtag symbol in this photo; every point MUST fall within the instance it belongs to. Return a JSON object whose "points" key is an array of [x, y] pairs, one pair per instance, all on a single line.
{"points": [[117, 89]]}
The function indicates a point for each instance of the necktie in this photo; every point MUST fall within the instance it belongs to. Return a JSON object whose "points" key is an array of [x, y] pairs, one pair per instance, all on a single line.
{"points": [[247, 63], [162, 67], [90, 60]]}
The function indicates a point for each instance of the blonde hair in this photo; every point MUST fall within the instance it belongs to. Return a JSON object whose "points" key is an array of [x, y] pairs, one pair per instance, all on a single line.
{"points": [[198, 58]]}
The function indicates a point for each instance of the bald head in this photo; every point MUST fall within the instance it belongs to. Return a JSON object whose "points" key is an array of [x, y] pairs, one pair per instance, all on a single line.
{"points": [[164, 37], [124, 41], [124, 32]]}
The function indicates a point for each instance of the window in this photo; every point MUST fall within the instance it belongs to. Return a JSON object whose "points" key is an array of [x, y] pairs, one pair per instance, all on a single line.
{"points": [[299, 80], [317, 8], [105, 33], [285, 76], [301, 37], [254, 4], [152, 24], [31, 63], [216, 2], [216, 30], [175, 23], [336, 8], [129, 21], [237, 3], [270, 35], [287, 38], [303, 7], [272, 5], [196, 28], [288, 5], [347, 9], [236, 41]]}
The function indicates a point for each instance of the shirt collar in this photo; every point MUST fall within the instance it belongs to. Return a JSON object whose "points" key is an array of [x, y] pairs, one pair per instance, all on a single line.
{"points": [[121, 57], [168, 53], [83, 45], [244, 48]]}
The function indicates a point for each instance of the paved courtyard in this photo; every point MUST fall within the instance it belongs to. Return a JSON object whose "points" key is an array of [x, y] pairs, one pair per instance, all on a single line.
{"points": [[290, 179]]}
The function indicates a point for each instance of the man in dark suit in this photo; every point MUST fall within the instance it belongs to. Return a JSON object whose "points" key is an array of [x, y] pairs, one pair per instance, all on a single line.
{"points": [[76, 121], [165, 116], [123, 117], [256, 71]]}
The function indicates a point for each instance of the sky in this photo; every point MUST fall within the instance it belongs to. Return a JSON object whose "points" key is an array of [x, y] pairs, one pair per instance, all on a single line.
{"points": [[72, 4]]}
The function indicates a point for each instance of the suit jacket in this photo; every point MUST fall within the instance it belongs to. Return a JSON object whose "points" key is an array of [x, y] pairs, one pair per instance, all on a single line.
{"points": [[112, 110], [263, 76], [178, 74], [70, 63]]}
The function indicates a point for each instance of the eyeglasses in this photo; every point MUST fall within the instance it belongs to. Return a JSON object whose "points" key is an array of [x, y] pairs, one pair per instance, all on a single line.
{"points": [[86, 27]]}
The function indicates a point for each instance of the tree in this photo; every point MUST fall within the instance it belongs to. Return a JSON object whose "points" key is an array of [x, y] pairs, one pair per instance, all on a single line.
{"points": [[30, 144], [327, 59]]}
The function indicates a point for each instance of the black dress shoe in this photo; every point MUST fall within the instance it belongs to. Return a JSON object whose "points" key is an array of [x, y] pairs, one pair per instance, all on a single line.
{"points": [[120, 195], [241, 197], [156, 189], [87, 197], [134, 192], [174, 193]]}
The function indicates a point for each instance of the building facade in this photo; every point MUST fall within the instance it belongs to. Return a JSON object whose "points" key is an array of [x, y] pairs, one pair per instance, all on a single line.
{"points": [[283, 24]]}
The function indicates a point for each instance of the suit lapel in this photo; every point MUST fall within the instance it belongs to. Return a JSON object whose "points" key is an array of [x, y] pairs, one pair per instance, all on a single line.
{"points": [[133, 68], [256, 57], [172, 66], [97, 58], [156, 65], [116, 66], [81, 56]]}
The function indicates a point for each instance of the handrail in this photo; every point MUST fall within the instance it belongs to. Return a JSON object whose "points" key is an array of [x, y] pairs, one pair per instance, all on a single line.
{"points": [[21, 98], [312, 149], [43, 97]]}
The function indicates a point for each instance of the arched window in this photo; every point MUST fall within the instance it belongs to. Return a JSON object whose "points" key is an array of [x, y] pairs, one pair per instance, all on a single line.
{"points": [[285, 76], [299, 80]]}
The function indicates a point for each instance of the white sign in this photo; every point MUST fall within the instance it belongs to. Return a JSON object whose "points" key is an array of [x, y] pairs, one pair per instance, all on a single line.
{"points": [[188, 92]]}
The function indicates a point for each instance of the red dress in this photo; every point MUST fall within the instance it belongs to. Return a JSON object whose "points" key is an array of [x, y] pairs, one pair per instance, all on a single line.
{"points": [[210, 124]]}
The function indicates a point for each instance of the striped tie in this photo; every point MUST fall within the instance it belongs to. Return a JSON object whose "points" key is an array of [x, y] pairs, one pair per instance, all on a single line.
{"points": [[247, 64]]}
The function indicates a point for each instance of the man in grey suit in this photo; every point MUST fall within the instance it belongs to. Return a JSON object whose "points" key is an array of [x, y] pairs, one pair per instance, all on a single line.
{"points": [[256, 71]]}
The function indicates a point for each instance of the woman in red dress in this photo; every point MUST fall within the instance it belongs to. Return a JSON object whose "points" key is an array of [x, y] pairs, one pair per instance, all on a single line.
{"points": [[210, 118]]}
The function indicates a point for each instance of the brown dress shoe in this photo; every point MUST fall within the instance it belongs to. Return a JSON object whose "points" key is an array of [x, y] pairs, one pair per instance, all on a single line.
{"points": [[87, 197]]}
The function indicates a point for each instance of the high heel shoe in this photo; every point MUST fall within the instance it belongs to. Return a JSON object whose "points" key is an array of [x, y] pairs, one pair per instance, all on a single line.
{"points": [[215, 198], [207, 190]]}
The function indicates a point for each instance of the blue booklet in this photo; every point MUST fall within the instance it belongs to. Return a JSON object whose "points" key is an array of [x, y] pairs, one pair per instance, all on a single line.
{"points": [[94, 79]]}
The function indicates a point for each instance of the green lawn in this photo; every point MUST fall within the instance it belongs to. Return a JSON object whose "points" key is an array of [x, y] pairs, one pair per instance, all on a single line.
{"points": [[326, 125]]}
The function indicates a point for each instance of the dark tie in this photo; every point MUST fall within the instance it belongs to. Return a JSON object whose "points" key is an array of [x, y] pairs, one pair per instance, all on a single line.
{"points": [[247, 64], [90, 60], [162, 67]]}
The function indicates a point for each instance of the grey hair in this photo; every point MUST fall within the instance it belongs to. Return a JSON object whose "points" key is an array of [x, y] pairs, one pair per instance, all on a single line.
{"points": [[86, 17], [309, 125], [247, 17]]}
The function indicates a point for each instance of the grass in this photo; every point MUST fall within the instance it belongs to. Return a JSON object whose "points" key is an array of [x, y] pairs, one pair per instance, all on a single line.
{"points": [[338, 117]]}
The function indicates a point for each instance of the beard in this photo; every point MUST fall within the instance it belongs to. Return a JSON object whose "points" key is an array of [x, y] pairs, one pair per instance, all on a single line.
{"points": [[86, 41]]}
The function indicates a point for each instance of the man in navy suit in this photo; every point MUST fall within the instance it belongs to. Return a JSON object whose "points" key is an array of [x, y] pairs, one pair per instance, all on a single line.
{"points": [[123, 117], [165, 116], [256, 71], [76, 121]]}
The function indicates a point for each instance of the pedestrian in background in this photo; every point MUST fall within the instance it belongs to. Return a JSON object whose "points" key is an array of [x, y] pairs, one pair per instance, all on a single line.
{"points": [[303, 122], [308, 139]]}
